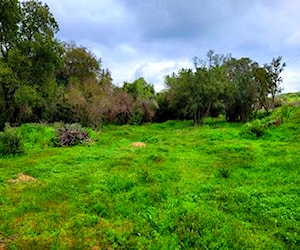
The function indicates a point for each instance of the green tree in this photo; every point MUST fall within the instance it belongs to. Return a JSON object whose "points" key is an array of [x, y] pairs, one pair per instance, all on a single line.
{"points": [[144, 104], [10, 17], [166, 111], [79, 64], [139, 88], [86, 90], [194, 92], [262, 83], [274, 69], [221, 82], [8, 83], [241, 90], [37, 21], [31, 52]]}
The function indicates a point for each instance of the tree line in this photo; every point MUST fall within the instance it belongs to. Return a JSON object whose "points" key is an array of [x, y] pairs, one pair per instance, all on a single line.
{"points": [[43, 79], [221, 84]]}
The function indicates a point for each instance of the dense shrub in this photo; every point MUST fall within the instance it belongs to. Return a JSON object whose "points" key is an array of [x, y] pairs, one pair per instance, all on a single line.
{"points": [[137, 117], [255, 128], [278, 116], [36, 135], [10, 142], [283, 112], [260, 114]]}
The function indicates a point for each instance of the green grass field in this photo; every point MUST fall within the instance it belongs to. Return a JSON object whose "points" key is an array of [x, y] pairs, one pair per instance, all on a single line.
{"points": [[208, 187]]}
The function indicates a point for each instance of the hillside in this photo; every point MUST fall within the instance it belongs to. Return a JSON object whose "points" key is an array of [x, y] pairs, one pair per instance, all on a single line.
{"points": [[293, 97]]}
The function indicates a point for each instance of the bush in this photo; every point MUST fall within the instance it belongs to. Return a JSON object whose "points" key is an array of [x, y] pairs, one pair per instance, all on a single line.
{"points": [[255, 128], [278, 117], [260, 114], [283, 112], [10, 142], [137, 117], [36, 135]]}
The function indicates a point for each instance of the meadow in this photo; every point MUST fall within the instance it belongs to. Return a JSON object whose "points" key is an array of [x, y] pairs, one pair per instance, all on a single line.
{"points": [[215, 186]]}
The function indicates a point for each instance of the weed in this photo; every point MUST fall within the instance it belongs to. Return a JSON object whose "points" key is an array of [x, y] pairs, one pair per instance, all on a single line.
{"points": [[224, 173]]}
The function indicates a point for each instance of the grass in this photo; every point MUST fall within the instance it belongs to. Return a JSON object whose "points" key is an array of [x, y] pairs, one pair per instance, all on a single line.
{"points": [[207, 187], [290, 98]]}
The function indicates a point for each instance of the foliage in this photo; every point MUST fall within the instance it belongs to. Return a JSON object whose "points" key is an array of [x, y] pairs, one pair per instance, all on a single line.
{"points": [[166, 111], [274, 69], [221, 84], [139, 88], [10, 142], [79, 64], [193, 93], [291, 99], [36, 136], [240, 96], [10, 16], [143, 104], [254, 128], [32, 53]]}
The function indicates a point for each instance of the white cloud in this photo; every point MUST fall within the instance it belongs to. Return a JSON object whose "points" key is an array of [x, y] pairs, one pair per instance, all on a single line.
{"points": [[293, 39], [155, 71], [157, 37], [291, 80]]}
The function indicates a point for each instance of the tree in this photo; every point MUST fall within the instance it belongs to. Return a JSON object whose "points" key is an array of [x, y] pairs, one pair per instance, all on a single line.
{"points": [[144, 104], [30, 51], [37, 21], [79, 64], [180, 87], [241, 93], [262, 84], [193, 92], [139, 88], [86, 89], [8, 83], [274, 69], [10, 16], [165, 110], [122, 109]]}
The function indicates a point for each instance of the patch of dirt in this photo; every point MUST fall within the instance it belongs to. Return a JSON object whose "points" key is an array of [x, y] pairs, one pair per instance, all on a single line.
{"points": [[138, 144], [22, 178], [1, 243]]}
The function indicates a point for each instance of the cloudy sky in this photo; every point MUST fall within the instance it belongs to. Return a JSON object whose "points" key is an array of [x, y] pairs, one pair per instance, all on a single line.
{"points": [[153, 38]]}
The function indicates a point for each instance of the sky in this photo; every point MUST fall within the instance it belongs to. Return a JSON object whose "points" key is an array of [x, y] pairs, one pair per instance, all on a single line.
{"points": [[154, 38]]}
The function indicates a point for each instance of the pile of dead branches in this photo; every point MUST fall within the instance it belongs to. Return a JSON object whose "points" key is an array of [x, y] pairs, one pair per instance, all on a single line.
{"points": [[71, 135]]}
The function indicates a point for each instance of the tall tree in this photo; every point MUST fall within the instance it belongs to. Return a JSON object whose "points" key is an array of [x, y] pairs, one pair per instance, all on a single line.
{"points": [[274, 69], [241, 94], [10, 17], [193, 92], [79, 64], [87, 89], [33, 55], [143, 95], [140, 88], [262, 84], [37, 21]]}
